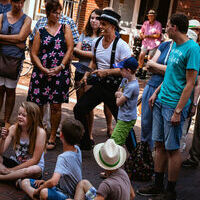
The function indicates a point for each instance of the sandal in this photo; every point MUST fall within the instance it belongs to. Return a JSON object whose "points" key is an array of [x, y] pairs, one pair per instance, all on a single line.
{"points": [[50, 145]]}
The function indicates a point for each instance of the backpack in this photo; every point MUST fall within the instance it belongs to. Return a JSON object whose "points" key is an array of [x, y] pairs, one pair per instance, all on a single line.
{"points": [[140, 165], [131, 141]]}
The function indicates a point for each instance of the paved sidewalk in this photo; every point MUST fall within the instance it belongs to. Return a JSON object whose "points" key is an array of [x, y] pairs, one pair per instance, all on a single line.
{"points": [[187, 186]]}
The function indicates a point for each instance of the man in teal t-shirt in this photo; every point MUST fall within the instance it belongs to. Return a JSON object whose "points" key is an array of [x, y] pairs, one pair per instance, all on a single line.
{"points": [[171, 107]]}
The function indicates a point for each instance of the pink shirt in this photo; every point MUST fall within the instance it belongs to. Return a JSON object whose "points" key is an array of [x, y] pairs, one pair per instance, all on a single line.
{"points": [[150, 29]]}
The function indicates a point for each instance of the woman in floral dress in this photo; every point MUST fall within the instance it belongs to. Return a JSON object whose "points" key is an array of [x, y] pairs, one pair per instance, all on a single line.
{"points": [[50, 80]]}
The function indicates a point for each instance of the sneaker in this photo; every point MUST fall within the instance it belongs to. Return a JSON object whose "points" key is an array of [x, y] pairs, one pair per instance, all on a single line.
{"points": [[150, 190], [166, 196], [189, 163]]}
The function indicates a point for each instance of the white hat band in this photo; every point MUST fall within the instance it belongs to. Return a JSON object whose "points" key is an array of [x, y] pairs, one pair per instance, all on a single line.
{"points": [[110, 17]]}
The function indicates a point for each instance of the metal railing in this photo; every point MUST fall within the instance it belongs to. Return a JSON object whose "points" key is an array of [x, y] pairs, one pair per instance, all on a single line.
{"points": [[72, 9]]}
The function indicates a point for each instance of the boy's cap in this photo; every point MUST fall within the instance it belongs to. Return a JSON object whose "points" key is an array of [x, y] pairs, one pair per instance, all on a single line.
{"points": [[128, 63]]}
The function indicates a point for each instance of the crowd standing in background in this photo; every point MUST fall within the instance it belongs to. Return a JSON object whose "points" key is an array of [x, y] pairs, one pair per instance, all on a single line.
{"points": [[171, 107], [172, 93]]}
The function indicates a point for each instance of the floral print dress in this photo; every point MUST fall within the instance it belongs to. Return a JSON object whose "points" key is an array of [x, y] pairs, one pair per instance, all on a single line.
{"points": [[44, 89]]}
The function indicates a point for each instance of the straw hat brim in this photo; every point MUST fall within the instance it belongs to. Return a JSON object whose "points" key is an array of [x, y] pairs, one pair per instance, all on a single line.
{"points": [[101, 164]]}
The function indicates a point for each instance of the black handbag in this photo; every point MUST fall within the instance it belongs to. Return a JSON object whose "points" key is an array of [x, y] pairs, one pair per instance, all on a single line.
{"points": [[10, 66]]}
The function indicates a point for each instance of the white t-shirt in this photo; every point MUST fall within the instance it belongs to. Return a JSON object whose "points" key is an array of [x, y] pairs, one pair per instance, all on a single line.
{"points": [[103, 55]]}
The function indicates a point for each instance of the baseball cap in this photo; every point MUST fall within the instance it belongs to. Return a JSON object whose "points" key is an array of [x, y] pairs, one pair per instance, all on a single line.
{"points": [[128, 63]]}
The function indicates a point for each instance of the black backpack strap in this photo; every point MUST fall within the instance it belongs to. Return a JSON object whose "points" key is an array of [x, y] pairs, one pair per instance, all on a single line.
{"points": [[112, 59], [95, 47]]}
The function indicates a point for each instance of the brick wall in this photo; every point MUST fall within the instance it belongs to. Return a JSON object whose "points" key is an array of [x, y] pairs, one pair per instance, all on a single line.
{"points": [[189, 7], [86, 9]]}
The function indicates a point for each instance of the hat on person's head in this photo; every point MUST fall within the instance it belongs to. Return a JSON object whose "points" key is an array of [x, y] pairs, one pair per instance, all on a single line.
{"points": [[128, 63], [193, 23], [110, 16], [192, 35], [151, 12], [109, 155]]}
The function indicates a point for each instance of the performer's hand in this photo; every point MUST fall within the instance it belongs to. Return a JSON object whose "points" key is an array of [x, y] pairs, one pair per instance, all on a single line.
{"points": [[100, 73]]}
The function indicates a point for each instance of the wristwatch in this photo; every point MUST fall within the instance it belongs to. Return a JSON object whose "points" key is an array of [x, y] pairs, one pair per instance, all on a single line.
{"points": [[194, 104], [178, 111]]}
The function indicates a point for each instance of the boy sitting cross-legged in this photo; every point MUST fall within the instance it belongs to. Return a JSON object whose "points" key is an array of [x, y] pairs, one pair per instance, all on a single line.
{"points": [[117, 185], [67, 172]]}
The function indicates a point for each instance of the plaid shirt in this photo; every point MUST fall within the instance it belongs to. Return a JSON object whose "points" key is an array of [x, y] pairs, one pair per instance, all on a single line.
{"points": [[63, 20]]}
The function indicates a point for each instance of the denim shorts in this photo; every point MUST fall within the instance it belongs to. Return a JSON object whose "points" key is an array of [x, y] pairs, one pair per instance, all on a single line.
{"points": [[163, 130], [53, 193], [91, 194]]}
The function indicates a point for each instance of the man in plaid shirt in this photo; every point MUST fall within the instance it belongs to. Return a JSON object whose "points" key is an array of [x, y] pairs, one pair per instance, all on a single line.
{"points": [[63, 20]]}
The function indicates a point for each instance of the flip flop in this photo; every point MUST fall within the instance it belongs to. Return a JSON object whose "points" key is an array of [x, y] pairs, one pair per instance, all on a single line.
{"points": [[50, 145]]}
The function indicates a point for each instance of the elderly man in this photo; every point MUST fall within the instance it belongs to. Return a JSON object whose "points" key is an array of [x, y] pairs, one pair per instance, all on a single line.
{"points": [[102, 66], [171, 107], [151, 38]]}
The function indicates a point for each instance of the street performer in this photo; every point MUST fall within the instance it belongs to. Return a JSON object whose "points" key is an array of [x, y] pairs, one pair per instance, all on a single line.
{"points": [[107, 50]]}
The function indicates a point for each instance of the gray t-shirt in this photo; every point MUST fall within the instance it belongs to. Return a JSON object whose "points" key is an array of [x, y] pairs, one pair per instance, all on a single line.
{"points": [[86, 46], [103, 55], [116, 186], [69, 166], [128, 111]]}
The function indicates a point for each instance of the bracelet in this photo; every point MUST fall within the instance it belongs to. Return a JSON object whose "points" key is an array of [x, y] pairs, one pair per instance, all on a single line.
{"points": [[62, 65], [194, 104]]}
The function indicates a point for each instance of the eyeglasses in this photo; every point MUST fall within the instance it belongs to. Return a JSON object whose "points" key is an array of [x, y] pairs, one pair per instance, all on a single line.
{"points": [[9, 29]]}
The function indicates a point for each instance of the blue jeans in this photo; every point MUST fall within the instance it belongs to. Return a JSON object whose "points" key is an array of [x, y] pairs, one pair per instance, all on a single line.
{"points": [[147, 116], [163, 130], [53, 193]]}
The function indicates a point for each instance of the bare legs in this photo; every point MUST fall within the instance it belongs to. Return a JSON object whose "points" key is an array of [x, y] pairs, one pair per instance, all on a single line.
{"points": [[81, 189], [9, 102], [28, 189], [108, 116], [141, 59], [32, 171]]}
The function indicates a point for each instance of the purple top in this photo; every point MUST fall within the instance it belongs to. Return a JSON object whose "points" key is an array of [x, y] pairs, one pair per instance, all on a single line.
{"points": [[150, 29]]}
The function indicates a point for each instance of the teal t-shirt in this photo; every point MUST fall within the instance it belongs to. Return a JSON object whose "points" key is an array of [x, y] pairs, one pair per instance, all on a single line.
{"points": [[182, 57]]}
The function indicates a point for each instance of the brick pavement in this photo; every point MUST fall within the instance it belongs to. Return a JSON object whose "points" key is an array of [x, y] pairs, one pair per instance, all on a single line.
{"points": [[187, 186]]}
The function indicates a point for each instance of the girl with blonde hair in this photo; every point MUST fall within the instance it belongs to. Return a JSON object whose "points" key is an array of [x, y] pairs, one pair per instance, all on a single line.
{"points": [[28, 137]]}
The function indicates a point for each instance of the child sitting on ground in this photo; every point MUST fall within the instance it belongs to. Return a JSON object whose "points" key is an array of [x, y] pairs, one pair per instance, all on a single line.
{"points": [[68, 170], [117, 185], [28, 138], [126, 100]]}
